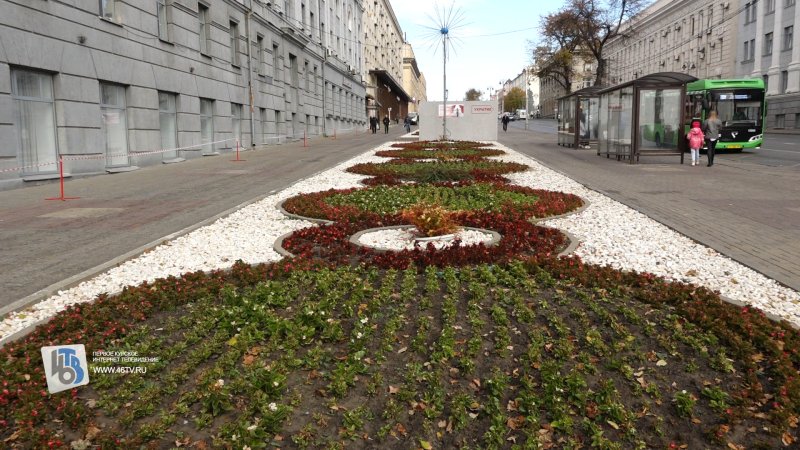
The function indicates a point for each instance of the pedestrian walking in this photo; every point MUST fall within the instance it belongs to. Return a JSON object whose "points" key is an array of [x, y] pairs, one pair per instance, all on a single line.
{"points": [[695, 137], [386, 124], [711, 128], [407, 124], [505, 121], [373, 124]]}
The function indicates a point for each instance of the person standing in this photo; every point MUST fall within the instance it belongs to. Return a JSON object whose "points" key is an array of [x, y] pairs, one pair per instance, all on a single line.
{"points": [[711, 128], [373, 124], [695, 137], [386, 124], [407, 124], [505, 121]]}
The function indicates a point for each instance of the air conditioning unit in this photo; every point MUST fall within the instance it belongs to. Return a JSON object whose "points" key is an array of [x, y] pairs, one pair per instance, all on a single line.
{"points": [[677, 28], [328, 52], [708, 31], [664, 33], [662, 63], [677, 57]]}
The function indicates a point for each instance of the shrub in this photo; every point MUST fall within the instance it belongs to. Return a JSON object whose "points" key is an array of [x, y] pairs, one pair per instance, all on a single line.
{"points": [[430, 220]]}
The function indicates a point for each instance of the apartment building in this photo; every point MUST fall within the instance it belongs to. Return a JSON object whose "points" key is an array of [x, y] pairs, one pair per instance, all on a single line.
{"points": [[769, 48], [383, 62], [696, 37], [111, 85], [413, 80]]}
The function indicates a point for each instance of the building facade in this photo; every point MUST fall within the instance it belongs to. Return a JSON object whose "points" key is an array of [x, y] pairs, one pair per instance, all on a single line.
{"points": [[696, 37], [111, 85], [383, 62], [584, 70], [769, 48], [413, 80]]}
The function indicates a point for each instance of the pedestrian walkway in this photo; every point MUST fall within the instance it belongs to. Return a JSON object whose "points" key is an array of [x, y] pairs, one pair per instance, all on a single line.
{"points": [[51, 245], [748, 212]]}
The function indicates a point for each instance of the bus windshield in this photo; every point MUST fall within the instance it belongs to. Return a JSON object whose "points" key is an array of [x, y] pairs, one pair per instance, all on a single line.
{"points": [[739, 107]]}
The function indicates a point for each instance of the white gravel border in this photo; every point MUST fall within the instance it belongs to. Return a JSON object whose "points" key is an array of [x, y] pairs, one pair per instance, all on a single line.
{"points": [[604, 228], [403, 239]]}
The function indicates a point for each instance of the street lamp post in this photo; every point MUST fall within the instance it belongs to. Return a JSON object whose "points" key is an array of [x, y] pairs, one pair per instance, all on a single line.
{"points": [[527, 113]]}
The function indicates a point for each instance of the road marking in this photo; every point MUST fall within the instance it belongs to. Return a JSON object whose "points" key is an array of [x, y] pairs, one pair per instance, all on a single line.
{"points": [[790, 143]]}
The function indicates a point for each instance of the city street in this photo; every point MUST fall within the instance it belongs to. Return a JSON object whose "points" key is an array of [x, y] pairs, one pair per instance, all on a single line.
{"points": [[746, 207], [779, 150], [50, 245]]}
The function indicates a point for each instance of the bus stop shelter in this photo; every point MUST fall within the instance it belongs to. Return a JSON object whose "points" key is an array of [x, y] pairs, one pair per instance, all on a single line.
{"points": [[579, 119], [644, 117]]}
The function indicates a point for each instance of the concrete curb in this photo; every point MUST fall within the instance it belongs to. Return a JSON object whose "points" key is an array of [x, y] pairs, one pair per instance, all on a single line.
{"points": [[280, 208]]}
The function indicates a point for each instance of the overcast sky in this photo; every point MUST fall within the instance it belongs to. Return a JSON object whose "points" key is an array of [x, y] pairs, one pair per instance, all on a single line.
{"points": [[490, 45]]}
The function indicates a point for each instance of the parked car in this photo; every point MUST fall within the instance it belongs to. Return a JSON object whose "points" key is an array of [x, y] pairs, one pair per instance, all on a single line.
{"points": [[414, 117], [513, 117]]}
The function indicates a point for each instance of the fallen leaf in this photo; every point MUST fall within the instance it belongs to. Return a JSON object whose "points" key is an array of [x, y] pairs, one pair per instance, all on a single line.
{"points": [[733, 446], [442, 423], [512, 439], [758, 357], [402, 350], [278, 438], [182, 442], [787, 439], [400, 429], [696, 420], [201, 445], [642, 382], [512, 405], [515, 422], [425, 445], [394, 390], [248, 360], [92, 432], [661, 363], [612, 424]]}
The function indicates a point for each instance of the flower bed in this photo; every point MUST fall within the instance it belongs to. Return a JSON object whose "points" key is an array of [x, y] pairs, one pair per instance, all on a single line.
{"points": [[360, 204], [442, 154], [441, 145], [542, 353], [471, 346], [432, 172]]}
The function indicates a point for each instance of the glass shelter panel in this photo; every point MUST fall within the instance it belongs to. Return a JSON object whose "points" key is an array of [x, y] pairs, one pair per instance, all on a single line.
{"points": [[659, 118], [566, 121]]}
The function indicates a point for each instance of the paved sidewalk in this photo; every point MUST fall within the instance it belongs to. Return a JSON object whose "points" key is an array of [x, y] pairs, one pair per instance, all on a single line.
{"points": [[50, 245], [748, 212]]}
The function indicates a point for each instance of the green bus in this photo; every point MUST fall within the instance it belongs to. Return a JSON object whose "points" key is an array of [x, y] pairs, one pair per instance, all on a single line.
{"points": [[740, 105]]}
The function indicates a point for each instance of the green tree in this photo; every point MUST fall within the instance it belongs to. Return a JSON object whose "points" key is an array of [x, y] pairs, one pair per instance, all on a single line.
{"points": [[588, 25], [514, 100], [473, 95]]}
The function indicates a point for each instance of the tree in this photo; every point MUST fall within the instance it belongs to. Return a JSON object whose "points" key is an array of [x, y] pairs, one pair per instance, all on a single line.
{"points": [[556, 64], [514, 100], [588, 25], [473, 95]]}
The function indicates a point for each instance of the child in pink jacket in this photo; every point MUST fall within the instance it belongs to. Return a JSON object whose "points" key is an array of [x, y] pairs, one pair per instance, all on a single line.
{"points": [[696, 139]]}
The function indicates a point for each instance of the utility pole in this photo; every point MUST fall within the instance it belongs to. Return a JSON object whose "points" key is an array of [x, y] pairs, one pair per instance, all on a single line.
{"points": [[527, 82]]}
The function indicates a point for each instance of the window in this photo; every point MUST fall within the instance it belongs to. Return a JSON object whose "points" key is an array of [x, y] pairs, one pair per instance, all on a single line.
{"points": [[260, 54], [752, 49], [766, 82], [788, 4], [205, 28], [768, 44], [769, 7], [264, 129], [107, 9], [797, 120], [163, 23], [275, 63], [207, 125], [234, 29], [114, 124], [168, 121], [784, 80], [33, 97], [307, 74], [788, 36], [780, 120], [316, 86], [236, 119], [295, 70], [746, 54]]}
